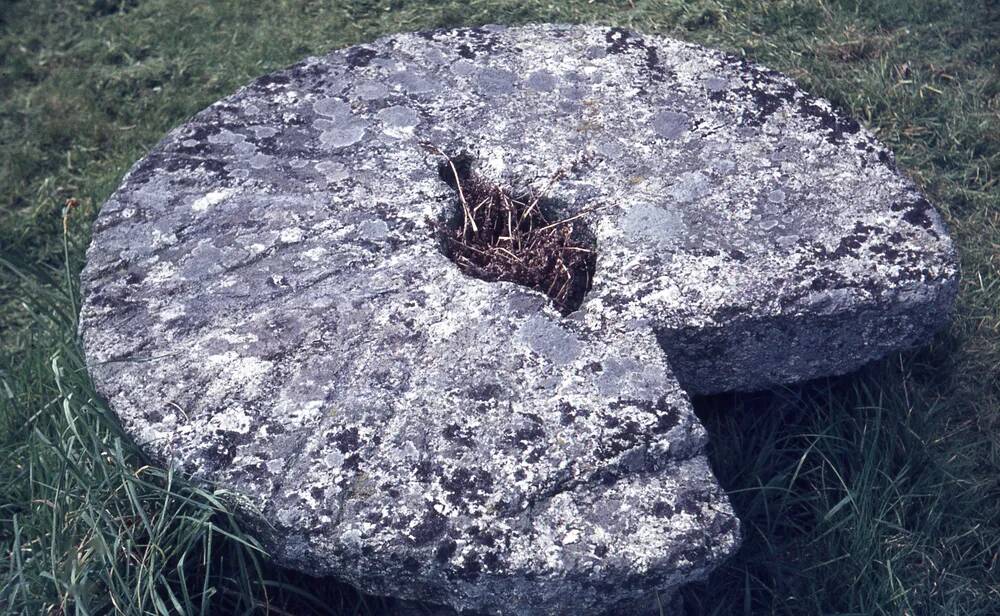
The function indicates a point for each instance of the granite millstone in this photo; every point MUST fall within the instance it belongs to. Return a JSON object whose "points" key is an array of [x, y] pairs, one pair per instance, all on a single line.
{"points": [[267, 306]]}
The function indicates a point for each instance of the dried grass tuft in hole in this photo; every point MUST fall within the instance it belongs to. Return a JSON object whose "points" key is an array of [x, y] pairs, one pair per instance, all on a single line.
{"points": [[496, 235]]}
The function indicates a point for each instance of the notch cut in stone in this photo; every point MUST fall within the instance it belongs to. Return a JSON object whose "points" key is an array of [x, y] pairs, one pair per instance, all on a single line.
{"points": [[499, 234]]}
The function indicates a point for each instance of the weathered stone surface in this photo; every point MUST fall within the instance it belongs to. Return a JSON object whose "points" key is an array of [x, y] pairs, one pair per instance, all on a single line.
{"points": [[267, 307]]}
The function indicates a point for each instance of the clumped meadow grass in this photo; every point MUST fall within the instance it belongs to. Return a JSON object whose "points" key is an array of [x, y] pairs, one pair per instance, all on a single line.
{"points": [[872, 493]]}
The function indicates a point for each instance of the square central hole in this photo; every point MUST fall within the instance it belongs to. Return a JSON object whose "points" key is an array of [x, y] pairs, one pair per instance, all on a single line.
{"points": [[497, 233]]}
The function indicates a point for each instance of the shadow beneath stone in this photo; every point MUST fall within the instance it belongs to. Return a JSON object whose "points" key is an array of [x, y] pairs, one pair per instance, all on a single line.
{"points": [[332, 597], [789, 457]]}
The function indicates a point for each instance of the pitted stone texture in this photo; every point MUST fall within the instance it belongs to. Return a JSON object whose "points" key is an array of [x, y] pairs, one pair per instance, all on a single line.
{"points": [[266, 305]]}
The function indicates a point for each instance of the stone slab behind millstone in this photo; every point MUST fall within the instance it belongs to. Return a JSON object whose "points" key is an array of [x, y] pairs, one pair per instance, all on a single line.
{"points": [[266, 306]]}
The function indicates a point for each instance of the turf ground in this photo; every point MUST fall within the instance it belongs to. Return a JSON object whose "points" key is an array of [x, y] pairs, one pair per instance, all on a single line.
{"points": [[874, 493]]}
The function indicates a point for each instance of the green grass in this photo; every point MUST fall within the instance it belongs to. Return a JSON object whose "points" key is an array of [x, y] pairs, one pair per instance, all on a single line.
{"points": [[874, 493]]}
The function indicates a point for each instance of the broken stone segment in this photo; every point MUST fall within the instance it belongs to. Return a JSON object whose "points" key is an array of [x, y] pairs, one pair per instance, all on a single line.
{"points": [[266, 305]]}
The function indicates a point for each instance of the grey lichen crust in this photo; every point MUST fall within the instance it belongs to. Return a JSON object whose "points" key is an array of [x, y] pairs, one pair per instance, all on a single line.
{"points": [[267, 306]]}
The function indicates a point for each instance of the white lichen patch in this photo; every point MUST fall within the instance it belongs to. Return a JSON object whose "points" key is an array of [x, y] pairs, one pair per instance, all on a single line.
{"points": [[233, 419], [160, 272], [235, 373], [216, 197], [291, 235]]}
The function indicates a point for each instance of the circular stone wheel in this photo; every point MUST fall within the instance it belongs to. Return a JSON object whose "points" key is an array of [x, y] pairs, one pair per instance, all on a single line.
{"points": [[268, 307]]}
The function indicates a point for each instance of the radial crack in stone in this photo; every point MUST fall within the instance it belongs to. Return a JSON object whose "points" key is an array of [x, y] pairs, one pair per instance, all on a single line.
{"points": [[497, 233]]}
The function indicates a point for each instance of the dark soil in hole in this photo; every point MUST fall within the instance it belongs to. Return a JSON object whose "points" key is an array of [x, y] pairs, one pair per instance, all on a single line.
{"points": [[498, 234]]}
